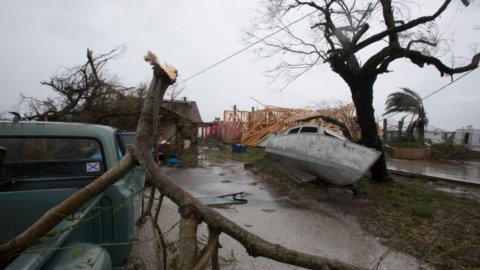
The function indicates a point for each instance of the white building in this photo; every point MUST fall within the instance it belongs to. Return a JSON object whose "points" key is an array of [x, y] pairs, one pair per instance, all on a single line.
{"points": [[436, 135], [469, 137]]}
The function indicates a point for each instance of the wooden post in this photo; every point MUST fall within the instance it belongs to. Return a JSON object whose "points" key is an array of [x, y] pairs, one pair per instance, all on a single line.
{"points": [[400, 127], [385, 130], [234, 113]]}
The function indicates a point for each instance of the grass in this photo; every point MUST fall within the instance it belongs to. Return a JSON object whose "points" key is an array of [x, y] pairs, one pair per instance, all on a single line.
{"points": [[434, 226], [253, 155]]}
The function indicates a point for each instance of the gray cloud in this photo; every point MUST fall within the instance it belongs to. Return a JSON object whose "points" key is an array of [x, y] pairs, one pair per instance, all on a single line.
{"points": [[38, 37]]}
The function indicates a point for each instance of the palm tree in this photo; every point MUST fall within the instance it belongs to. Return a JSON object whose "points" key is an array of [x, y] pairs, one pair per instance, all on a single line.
{"points": [[408, 101]]}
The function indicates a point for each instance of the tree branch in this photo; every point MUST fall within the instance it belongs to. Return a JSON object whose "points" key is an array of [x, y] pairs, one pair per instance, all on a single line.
{"points": [[255, 245], [165, 75], [209, 250], [69, 206], [411, 42], [420, 60], [401, 28], [389, 21]]}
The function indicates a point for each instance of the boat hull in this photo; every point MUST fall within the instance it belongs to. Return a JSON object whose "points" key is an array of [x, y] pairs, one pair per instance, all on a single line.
{"points": [[332, 160]]}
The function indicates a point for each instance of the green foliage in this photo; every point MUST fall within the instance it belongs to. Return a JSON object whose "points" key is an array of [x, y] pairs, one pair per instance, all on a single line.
{"points": [[407, 101], [453, 151], [253, 155], [172, 249], [406, 142]]}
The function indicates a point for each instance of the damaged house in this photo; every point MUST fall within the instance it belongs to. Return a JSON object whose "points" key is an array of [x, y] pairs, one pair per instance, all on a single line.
{"points": [[255, 126], [179, 122]]}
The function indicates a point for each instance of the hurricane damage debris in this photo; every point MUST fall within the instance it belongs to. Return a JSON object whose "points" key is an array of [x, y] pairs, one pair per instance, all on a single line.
{"points": [[225, 200], [252, 127]]}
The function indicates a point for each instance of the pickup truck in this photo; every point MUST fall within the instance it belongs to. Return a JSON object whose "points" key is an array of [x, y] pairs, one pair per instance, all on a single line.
{"points": [[42, 164]]}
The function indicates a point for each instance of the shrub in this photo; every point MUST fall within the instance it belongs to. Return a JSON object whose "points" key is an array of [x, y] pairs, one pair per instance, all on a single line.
{"points": [[406, 142], [453, 151]]}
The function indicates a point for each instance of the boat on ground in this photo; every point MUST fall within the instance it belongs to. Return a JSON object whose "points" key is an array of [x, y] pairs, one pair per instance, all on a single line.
{"points": [[322, 152]]}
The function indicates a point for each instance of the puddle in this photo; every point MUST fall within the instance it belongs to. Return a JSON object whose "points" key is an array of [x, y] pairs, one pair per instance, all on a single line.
{"points": [[281, 212], [219, 180], [449, 170], [460, 191]]}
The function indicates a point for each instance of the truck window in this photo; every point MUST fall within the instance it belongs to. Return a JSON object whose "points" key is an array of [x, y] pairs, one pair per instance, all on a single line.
{"points": [[27, 158], [294, 131]]}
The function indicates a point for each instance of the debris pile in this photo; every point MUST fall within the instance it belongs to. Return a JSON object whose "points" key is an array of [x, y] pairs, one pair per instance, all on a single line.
{"points": [[252, 127]]}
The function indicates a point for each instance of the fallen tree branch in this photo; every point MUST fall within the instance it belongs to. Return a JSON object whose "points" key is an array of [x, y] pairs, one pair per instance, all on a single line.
{"points": [[69, 206], [255, 245], [164, 76], [209, 250], [188, 236]]}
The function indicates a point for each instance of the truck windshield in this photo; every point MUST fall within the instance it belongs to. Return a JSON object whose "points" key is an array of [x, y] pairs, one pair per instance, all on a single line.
{"points": [[28, 158]]}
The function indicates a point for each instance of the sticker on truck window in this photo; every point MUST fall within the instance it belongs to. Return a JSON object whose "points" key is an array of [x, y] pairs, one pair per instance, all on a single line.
{"points": [[93, 166]]}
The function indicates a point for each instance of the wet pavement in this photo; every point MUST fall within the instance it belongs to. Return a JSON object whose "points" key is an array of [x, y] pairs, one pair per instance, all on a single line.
{"points": [[465, 172], [300, 217]]}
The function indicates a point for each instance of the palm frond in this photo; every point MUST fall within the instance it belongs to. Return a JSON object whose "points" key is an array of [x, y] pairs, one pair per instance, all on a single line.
{"points": [[406, 101]]}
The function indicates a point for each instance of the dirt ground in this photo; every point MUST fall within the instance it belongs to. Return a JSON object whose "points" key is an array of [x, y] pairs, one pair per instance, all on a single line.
{"points": [[303, 217]]}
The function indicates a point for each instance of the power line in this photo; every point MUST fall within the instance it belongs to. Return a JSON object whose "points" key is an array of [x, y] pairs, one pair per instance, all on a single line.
{"points": [[445, 86], [285, 27], [244, 49], [438, 90]]}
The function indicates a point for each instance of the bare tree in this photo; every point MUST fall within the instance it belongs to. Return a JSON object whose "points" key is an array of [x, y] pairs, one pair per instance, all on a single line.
{"points": [[175, 91], [359, 40], [87, 93], [191, 210]]}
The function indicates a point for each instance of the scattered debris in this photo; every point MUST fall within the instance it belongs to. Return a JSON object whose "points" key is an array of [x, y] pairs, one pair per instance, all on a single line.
{"points": [[296, 175], [173, 161], [239, 148], [224, 200]]}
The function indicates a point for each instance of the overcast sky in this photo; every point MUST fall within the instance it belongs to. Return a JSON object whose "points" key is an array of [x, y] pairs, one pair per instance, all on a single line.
{"points": [[38, 37]]}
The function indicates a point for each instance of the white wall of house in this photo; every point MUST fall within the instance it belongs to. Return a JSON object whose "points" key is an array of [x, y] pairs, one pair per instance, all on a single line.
{"points": [[437, 135], [469, 137]]}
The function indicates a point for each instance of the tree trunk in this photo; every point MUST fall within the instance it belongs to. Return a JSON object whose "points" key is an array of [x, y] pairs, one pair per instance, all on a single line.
{"points": [[191, 210], [188, 236], [362, 95], [421, 127]]}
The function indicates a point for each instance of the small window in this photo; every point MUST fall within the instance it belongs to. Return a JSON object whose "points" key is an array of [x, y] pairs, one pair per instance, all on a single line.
{"points": [[309, 130], [294, 131]]}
